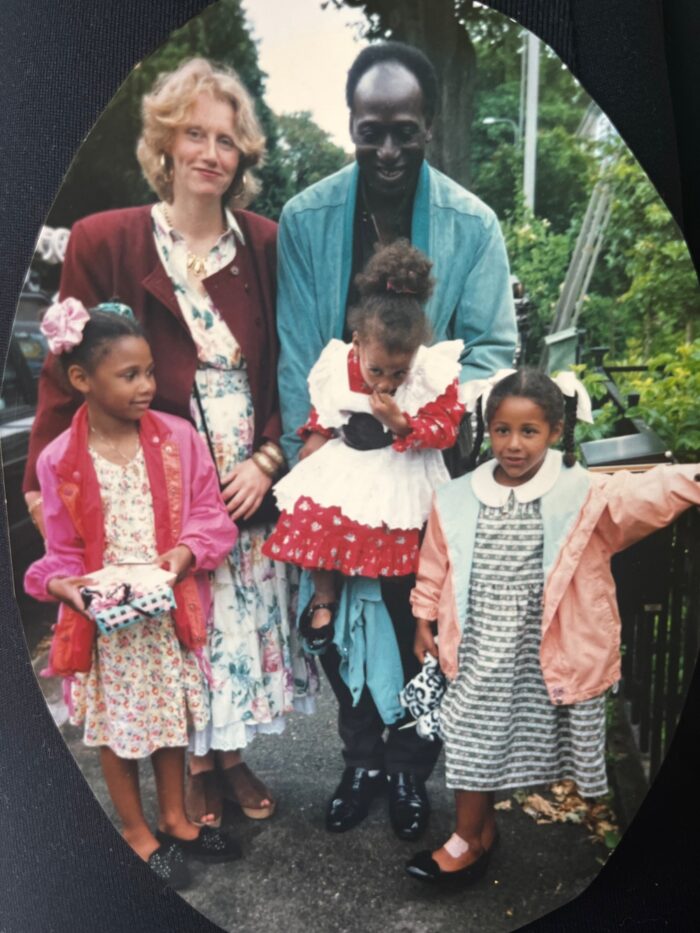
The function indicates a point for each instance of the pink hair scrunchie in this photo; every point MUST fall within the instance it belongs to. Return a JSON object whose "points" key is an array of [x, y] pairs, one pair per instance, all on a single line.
{"points": [[63, 324]]}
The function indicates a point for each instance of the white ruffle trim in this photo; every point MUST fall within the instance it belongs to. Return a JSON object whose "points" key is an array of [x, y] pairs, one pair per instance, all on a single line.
{"points": [[372, 487], [434, 369], [238, 735]]}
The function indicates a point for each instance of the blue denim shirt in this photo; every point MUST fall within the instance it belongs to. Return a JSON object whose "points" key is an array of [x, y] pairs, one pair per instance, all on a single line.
{"points": [[361, 620]]}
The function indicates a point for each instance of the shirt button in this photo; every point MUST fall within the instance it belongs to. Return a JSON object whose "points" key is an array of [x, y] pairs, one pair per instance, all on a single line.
{"points": [[235, 270], [76, 475], [155, 439]]}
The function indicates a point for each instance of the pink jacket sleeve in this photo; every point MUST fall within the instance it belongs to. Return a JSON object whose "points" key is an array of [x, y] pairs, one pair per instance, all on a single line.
{"points": [[208, 530], [433, 596], [639, 504], [64, 555], [432, 571]]}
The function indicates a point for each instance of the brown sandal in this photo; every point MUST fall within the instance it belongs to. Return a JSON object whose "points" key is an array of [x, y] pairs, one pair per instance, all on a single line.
{"points": [[203, 795], [242, 787]]}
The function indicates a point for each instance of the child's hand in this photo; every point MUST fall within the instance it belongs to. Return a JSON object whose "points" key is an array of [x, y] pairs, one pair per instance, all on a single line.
{"points": [[177, 560], [244, 489], [385, 409], [313, 443], [424, 642], [67, 590]]}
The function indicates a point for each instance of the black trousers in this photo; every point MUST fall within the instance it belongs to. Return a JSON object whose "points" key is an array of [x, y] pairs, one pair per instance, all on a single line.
{"points": [[361, 728]]}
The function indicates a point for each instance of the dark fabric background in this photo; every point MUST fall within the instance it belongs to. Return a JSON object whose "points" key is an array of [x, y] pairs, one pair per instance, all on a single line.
{"points": [[62, 866]]}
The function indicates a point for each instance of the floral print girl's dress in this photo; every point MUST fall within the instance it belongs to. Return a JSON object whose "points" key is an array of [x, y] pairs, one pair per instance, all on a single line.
{"points": [[143, 690], [258, 671]]}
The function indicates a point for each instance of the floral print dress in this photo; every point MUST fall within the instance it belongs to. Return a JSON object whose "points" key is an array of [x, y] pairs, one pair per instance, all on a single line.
{"points": [[258, 670], [144, 690]]}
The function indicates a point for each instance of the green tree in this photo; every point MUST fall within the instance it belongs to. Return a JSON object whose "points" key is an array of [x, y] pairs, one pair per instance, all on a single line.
{"points": [[646, 267], [105, 172], [307, 152]]}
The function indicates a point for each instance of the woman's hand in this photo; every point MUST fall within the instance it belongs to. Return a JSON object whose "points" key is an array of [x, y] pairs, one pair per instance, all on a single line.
{"points": [[177, 560], [67, 590], [313, 443], [36, 511], [385, 409], [424, 642], [244, 489]]}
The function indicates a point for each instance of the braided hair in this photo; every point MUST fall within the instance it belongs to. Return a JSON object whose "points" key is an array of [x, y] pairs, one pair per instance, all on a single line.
{"points": [[393, 287], [544, 392]]}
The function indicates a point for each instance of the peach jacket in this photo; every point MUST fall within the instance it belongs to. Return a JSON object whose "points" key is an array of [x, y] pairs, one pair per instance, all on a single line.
{"points": [[586, 517]]}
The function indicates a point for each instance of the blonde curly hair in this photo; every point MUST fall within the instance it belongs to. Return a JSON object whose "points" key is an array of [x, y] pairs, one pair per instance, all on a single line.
{"points": [[166, 108]]}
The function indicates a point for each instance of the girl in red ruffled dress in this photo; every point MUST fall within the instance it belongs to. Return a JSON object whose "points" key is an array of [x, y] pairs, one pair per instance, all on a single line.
{"points": [[383, 407]]}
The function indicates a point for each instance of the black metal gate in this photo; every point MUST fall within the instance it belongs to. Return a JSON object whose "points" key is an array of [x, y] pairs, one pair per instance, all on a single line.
{"points": [[658, 584]]}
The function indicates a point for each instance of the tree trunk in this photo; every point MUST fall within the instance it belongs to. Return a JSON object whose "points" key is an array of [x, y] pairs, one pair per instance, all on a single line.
{"points": [[433, 27]]}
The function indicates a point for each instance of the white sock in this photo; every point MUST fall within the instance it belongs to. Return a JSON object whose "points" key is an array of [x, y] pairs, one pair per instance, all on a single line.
{"points": [[374, 772]]}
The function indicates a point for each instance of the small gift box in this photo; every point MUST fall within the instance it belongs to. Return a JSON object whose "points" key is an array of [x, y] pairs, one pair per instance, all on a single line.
{"points": [[120, 595]]}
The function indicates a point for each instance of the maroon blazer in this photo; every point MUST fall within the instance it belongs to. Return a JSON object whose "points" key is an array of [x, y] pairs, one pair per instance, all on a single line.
{"points": [[112, 256]]}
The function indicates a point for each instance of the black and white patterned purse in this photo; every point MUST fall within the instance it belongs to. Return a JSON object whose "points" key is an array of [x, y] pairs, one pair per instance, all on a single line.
{"points": [[422, 696]]}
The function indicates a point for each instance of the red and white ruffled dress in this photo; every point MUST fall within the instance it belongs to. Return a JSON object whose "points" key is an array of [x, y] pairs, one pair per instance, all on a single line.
{"points": [[360, 512]]}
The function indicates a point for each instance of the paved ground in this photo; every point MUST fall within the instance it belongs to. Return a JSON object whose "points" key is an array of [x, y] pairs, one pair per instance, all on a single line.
{"points": [[297, 877]]}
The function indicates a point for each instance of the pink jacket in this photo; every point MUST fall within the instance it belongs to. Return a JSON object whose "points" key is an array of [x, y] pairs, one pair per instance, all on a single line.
{"points": [[188, 509], [580, 648]]}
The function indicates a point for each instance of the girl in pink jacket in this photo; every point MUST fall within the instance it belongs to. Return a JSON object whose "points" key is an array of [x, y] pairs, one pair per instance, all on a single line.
{"points": [[515, 570], [123, 485]]}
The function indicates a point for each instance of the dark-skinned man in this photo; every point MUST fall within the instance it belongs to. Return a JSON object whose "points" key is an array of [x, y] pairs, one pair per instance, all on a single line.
{"points": [[326, 235]]}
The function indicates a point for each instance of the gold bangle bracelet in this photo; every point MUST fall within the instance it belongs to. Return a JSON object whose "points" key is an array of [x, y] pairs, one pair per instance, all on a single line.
{"points": [[273, 452], [265, 464]]}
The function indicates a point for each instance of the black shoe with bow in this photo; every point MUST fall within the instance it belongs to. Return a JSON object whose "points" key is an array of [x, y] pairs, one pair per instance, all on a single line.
{"points": [[352, 797], [317, 639], [408, 805]]}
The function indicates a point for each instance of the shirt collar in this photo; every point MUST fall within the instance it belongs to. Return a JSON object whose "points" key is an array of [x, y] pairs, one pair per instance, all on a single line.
{"points": [[493, 494], [232, 225]]}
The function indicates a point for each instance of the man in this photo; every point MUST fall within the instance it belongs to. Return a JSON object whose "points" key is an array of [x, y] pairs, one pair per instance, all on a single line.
{"points": [[326, 235]]}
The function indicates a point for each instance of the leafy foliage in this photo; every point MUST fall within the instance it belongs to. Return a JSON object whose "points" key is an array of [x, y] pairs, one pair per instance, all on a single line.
{"points": [[645, 267], [307, 153], [668, 392]]}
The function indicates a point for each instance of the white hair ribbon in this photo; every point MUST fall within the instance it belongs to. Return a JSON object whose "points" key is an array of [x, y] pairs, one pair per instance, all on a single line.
{"points": [[570, 385], [470, 392]]}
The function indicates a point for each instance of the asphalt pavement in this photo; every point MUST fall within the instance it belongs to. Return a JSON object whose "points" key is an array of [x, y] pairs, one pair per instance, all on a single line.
{"points": [[297, 877]]}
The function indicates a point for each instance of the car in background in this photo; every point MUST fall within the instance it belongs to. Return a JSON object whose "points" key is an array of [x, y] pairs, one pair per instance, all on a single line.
{"points": [[25, 356]]}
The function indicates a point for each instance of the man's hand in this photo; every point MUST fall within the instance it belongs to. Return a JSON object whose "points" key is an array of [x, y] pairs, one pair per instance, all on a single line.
{"points": [[313, 443], [244, 489], [424, 642], [385, 409]]}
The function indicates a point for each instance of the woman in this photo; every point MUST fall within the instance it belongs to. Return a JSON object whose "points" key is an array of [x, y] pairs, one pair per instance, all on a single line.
{"points": [[200, 278]]}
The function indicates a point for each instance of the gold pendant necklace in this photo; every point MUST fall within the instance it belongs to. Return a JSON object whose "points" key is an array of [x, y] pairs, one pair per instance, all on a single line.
{"points": [[197, 265], [126, 460]]}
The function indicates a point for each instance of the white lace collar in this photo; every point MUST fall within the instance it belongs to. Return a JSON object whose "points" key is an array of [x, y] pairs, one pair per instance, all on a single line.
{"points": [[491, 493]]}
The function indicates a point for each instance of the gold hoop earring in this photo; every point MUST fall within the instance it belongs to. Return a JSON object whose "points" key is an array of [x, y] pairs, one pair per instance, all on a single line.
{"points": [[167, 170]]}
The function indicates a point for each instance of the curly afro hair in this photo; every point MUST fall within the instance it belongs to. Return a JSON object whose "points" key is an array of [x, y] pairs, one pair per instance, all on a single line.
{"points": [[393, 287]]}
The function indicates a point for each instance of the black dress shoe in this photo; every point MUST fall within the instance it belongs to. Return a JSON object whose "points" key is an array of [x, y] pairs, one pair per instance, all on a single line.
{"points": [[423, 867], [352, 797], [408, 805]]}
